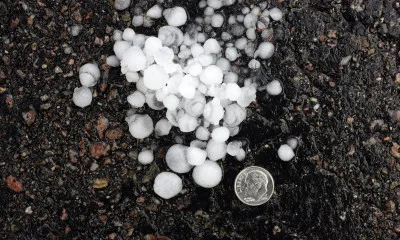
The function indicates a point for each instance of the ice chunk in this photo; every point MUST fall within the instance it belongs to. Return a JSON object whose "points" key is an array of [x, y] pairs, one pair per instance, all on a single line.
{"points": [[202, 133], [154, 12], [232, 91], [234, 147], [175, 16], [251, 33], [128, 34], [152, 101], [198, 144], [172, 116], [162, 128], [250, 20], [120, 48], [164, 56], [293, 142], [207, 175], [146, 157], [112, 61], [231, 54], [140, 86], [254, 64], [195, 106], [117, 35], [152, 45], [205, 60], [82, 97], [155, 77], [132, 76], [140, 126], [220, 134], [194, 69], [211, 75], [137, 21], [224, 65], [231, 77], [136, 99], [215, 4], [241, 155], [276, 14], [234, 115], [216, 150], [167, 185], [133, 60], [196, 156], [265, 50], [176, 159], [212, 46], [213, 111], [122, 4], [139, 40], [217, 20], [89, 74], [274, 88], [187, 123], [171, 102], [285, 152], [248, 95], [196, 50], [170, 36], [173, 83]]}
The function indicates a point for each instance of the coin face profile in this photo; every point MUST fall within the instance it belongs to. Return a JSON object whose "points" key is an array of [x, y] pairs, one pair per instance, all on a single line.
{"points": [[254, 186]]}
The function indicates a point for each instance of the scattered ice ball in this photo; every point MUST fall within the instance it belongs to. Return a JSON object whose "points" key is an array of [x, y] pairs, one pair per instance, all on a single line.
{"points": [[265, 50], [234, 147], [146, 157], [241, 155], [132, 77], [137, 21], [276, 14], [215, 4], [112, 61], [211, 75], [154, 12], [285, 152], [120, 47], [133, 60], [213, 111], [220, 134], [136, 99], [274, 88], [217, 20], [128, 34], [187, 123], [167, 185], [170, 36], [171, 102], [293, 142], [89, 74], [196, 156], [82, 97], [207, 175], [212, 46], [176, 159], [175, 16], [140, 126], [162, 128], [231, 53], [122, 4], [202, 133], [155, 77], [216, 150]]}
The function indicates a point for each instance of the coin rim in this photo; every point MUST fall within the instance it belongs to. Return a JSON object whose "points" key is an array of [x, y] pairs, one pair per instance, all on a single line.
{"points": [[258, 168]]}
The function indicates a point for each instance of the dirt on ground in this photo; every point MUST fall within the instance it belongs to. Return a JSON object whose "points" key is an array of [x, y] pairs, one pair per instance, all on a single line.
{"points": [[71, 173]]}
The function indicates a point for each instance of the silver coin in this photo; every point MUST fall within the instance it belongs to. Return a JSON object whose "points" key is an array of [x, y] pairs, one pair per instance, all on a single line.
{"points": [[254, 186]]}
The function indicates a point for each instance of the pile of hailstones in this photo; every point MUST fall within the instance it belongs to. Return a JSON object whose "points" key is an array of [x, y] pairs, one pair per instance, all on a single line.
{"points": [[191, 76]]}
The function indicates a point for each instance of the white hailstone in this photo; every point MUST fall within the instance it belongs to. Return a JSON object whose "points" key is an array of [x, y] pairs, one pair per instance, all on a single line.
{"points": [[202, 88], [207, 175], [147, 21], [234, 115], [231, 77], [241, 43], [254, 64], [122, 4], [215, 4], [154, 12], [250, 20], [171, 102], [117, 35], [75, 30], [202, 133], [248, 95], [251, 33], [211, 75], [215, 150], [152, 101], [89, 74], [184, 53], [220, 134], [226, 37], [187, 89], [233, 91], [82, 97], [240, 18], [233, 131], [136, 99], [276, 14], [175, 16], [224, 64], [274, 88], [208, 11], [196, 156], [201, 37], [255, 10], [152, 45], [141, 87], [285, 152], [155, 77], [176, 159], [292, 142], [194, 106], [265, 50], [213, 111], [128, 34], [217, 20], [234, 147], [245, 10], [120, 47], [146, 157], [196, 50], [263, 5], [193, 69], [205, 60], [137, 21], [132, 77], [231, 20], [112, 61], [162, 128], [241, 155], [139, 40], [198, 144], [133, 60], [164, 56], [228, 2], [212, 46], [187, 123], [167, 185], [231, 53], [202, 4], [140, 126]]}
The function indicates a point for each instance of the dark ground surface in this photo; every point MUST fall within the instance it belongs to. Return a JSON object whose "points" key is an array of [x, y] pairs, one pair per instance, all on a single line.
{"points": [[343, 184]]}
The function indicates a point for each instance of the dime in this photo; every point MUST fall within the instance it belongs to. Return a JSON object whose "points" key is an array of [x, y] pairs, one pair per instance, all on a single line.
{"points": [[254, 186]]}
